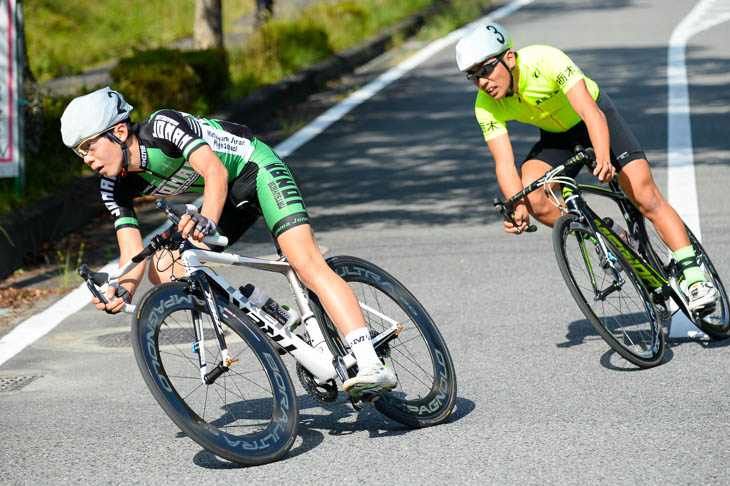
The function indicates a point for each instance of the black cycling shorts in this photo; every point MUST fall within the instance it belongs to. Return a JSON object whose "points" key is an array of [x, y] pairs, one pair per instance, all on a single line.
{"points": [[556, 148]]}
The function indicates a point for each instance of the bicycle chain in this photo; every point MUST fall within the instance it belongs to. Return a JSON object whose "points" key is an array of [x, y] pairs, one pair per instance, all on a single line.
{"points": [[325, 394]]}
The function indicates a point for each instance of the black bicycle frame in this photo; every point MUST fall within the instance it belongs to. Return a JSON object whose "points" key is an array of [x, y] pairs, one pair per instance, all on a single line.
{"points": [[653, 279]]}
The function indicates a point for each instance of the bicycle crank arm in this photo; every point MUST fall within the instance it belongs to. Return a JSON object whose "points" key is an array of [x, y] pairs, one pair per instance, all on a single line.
{"points": [[344, 363], [386, 336]]}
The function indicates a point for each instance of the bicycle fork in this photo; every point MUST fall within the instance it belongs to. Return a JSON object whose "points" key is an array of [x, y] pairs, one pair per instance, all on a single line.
{"points": [[574, 203], [610, 259], [208, 378]]}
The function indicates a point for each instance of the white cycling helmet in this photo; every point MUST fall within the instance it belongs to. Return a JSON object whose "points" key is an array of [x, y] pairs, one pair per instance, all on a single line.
{"points": [[481, 43], [92, 114]]}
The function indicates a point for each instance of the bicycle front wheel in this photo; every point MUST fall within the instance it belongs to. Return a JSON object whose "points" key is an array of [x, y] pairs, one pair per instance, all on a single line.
{"points": [[426, 390], [620, 309], [249, 413]]}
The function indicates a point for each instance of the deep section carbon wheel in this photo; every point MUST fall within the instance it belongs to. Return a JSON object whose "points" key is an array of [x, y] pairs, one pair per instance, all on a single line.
{"points": [[426, 390], [248, 414]]}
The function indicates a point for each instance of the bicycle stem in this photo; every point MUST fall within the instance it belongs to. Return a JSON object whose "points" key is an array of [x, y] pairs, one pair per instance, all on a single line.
{"points": [[506, 207]]}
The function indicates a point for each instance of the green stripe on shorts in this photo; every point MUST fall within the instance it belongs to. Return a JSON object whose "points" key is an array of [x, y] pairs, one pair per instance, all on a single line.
{"points": [[126, 222]]}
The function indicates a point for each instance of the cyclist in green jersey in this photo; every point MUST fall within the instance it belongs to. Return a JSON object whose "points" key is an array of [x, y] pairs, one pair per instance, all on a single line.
{"points": [[172, 152], [541, 86]]}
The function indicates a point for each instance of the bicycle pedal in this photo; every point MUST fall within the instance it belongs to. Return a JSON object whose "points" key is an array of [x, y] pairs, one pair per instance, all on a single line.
{"points": [[369, 395], [704, 311], [357, 404]]}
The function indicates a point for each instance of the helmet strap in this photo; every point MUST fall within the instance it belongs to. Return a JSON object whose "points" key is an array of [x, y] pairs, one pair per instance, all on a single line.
{"points": [[511, 78], [125, 153]]}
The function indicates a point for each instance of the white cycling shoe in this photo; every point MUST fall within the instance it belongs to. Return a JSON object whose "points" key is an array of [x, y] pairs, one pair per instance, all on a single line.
{"points": [[374, 379], [702, 297]]}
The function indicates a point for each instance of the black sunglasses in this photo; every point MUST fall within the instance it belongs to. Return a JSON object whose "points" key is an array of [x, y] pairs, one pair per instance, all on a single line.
{"points": [[485, 69]]}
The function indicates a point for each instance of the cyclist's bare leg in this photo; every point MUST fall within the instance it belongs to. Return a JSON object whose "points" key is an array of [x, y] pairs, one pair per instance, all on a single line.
{"points": [[537, 202], [638, 184], [161, 267], [306, 259], [341, 306]]}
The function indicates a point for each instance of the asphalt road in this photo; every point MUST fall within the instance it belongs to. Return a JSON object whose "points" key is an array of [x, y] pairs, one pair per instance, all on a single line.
{"points": [[404, 180]]}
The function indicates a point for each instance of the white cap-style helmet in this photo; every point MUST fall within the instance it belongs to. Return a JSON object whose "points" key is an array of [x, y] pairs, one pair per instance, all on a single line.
{"points": [[481, 43], [92, 114]]}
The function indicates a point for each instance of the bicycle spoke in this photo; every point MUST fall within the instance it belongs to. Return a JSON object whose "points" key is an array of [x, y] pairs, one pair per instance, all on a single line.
{"points": [[426, 387], [611, 296]]}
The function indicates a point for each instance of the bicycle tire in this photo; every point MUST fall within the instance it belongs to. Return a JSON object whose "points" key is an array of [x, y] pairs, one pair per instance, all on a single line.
{"points": [[626, 319], [426, 390], [249, 415], [717, 324]]}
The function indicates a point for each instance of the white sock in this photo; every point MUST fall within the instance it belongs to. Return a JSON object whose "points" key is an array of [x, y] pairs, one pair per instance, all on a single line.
{"points": [[362, 346]]}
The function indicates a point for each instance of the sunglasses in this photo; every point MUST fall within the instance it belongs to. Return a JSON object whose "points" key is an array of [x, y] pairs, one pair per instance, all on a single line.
{"points": [[82, 149], [485, 69]]}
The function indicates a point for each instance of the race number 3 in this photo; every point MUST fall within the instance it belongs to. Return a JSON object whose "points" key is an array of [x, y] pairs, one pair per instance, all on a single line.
{"points": [[497, 33]]}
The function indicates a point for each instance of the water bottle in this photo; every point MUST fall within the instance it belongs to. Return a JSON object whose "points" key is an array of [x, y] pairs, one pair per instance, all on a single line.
{"points": [[282, 313], [621, 233]]}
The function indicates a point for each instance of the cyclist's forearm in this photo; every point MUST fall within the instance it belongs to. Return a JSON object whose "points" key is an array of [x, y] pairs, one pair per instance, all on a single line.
{"points": [[130, 244], [595, 122], [585, 106], [214, 195], [215, 174], [131, 279], [508, 179]]}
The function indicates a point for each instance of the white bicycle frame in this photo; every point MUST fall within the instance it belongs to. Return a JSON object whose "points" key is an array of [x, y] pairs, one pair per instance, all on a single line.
{"points": [[316, 357]]}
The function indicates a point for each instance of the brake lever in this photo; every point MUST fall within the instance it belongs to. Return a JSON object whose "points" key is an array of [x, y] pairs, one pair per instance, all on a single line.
{"points": [[85, 273], [508, 215]]}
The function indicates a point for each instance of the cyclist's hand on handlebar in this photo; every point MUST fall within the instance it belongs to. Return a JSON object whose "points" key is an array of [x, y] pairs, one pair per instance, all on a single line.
{"points": [[522, 218], [605, 171], [197, 225], [114, 303]]}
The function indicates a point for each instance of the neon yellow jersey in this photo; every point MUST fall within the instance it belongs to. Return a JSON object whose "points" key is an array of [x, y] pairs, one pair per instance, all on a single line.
{"points": [[546, 74]]}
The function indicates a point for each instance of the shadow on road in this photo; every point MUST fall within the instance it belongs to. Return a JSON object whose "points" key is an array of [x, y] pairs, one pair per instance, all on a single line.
{"points": [[314, 426], [391, 162]]}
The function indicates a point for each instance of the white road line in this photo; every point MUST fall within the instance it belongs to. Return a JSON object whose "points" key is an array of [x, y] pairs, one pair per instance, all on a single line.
{"points": [[37, 326], [682, 190]]}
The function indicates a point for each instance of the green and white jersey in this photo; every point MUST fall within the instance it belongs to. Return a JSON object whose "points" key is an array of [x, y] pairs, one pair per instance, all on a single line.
{"points": [[167, 138], [545, 76]]}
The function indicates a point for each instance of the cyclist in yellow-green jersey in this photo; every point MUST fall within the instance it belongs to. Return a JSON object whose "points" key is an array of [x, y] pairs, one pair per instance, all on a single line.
{"points": [[540, 85]]}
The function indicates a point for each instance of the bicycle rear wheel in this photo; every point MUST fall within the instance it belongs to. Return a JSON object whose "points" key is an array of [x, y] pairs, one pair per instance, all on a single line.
{"points": [[622, 313], [249, 413], [717, 324], [426, 390]]}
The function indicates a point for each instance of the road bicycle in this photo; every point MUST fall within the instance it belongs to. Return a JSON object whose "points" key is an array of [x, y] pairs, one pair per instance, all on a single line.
{"points": [[624, 282], [211, 357]]}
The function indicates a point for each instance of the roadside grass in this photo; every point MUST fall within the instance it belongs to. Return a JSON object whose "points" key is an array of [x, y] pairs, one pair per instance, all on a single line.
{"points": [[451, 17], [283, 47], [66, 271], [69, 36]]}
